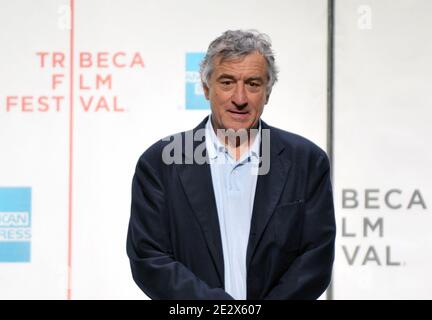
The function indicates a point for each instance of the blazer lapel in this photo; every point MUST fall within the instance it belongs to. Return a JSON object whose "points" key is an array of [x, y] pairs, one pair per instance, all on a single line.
{"points": [[197, 183], [267, 193]]}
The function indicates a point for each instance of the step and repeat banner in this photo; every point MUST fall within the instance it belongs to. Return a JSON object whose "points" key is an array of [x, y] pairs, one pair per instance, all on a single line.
{"points": [[87, 86], [382, 144], [85, 89]]}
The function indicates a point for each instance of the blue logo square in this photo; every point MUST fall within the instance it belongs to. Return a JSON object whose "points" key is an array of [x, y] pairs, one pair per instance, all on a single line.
{"points": [[195, 99], [15, 224]]}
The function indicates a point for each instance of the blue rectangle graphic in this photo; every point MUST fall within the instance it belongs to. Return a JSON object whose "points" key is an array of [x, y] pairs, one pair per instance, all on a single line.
{"points": [[15, 251], [15, 199], [195, 98], [15, 224]]}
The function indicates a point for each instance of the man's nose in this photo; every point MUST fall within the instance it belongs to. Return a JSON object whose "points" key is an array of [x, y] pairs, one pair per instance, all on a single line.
{"points": [[239, 98]]}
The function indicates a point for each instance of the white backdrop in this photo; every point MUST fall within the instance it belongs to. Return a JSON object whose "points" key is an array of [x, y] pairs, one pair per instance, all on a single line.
{"points": [[382, 105], [383, 109], [107, 143]]}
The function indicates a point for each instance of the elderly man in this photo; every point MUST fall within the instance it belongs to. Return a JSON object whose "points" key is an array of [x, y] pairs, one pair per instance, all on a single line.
{"points": [[233, 227]]}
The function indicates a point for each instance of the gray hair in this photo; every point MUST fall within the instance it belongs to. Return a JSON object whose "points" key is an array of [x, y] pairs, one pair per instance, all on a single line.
{"points": [[239, 43]]}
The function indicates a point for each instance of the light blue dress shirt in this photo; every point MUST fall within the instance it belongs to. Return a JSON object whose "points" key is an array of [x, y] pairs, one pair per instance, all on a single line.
{"points": [[234, 184]]}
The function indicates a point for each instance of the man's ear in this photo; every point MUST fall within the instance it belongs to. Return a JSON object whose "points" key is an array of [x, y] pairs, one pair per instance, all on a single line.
{"points": [[206, 90]]}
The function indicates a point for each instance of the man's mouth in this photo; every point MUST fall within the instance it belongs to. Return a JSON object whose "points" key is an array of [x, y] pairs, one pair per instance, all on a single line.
{"points": [[239, 115], [238, 112]]}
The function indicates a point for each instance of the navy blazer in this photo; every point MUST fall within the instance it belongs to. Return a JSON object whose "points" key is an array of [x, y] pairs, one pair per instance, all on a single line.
{"points": [[174, 243]]}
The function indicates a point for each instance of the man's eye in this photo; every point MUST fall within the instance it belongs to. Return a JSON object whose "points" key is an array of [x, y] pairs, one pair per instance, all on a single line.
{"points": [[254, 84], [226, 83]]}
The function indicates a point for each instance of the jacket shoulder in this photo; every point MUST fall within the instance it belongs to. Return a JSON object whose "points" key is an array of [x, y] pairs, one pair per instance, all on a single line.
{"points": [[300, 147], [154, 154]]}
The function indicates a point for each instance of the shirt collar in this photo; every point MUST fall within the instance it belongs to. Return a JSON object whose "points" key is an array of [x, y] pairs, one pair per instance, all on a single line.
{"points": [[216, 148]]}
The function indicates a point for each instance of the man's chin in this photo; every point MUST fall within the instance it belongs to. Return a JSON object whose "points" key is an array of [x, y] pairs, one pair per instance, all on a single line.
{"points": [[237, 129], [238, 125]]}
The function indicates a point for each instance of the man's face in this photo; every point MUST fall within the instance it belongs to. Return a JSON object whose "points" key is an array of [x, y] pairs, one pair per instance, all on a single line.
{"points": [[237, 91]]}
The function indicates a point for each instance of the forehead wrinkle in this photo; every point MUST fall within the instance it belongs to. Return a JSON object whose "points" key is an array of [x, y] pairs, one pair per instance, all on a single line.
{"points": [[240, 70]]}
